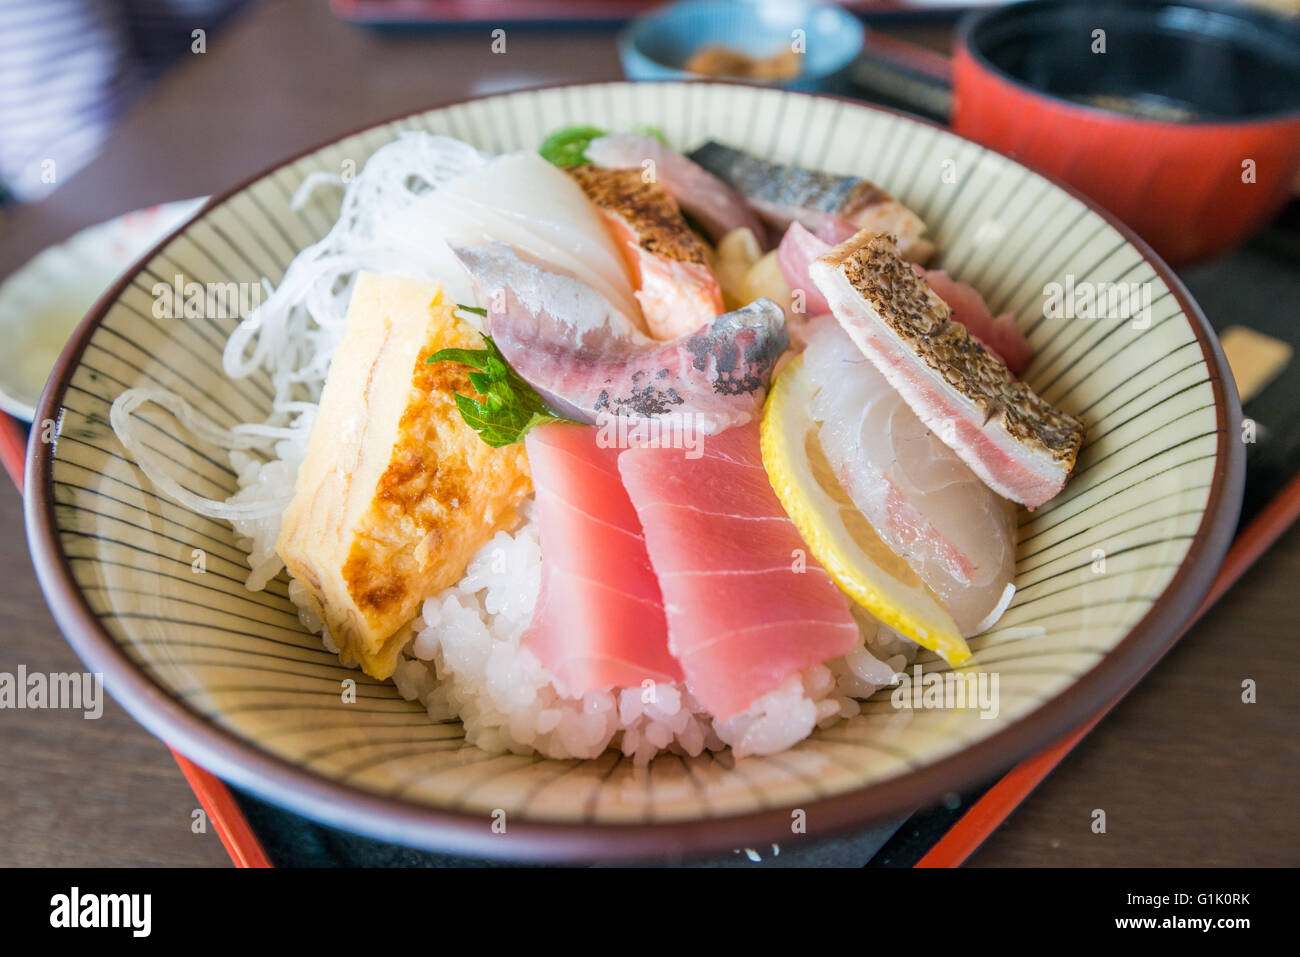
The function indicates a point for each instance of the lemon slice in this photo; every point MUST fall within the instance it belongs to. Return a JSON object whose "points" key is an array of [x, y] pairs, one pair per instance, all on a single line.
{"points": [[837, 533]]}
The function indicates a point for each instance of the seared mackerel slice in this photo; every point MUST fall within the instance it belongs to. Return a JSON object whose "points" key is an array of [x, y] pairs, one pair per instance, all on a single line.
{"points": [[783, 194], [1013, 440]]}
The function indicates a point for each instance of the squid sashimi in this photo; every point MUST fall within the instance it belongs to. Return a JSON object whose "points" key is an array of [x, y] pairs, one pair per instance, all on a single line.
{"points": [[586, 359], [799, 249], [599, 621], [524, 201], [746, 606], [923, 501], [715, 206], [676, 288]]}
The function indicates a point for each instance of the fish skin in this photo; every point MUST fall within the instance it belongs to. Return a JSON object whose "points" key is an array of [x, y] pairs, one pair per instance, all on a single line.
{"points": [[741, 617], [587, 360], [1020, 445], [599, 621], [1000, 335], [799, 249], [825, 203], [676, 288], [714, 205]]}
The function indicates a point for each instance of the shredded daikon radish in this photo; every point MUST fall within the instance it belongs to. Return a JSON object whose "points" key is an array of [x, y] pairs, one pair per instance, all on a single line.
{"points": [[151, 463]]}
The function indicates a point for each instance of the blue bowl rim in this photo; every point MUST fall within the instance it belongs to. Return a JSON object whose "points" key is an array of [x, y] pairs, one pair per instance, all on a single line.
{"points": [[630, 36]]}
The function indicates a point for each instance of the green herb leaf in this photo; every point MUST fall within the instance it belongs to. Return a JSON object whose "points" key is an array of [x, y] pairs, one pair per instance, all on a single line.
{"points": [[477, 310], [509, 406], [568, 146]]}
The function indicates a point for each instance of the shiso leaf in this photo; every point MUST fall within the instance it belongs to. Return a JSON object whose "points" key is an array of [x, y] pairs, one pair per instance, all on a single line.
{"points": [[509, 406], [568, 146]]}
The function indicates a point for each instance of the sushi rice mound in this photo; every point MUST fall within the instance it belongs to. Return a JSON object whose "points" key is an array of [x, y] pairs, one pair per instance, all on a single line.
{"points": [[465, 659]]}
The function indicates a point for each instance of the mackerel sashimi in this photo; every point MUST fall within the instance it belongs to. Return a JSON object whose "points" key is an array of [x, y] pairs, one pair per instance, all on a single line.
{"points": [[746, 606], [588, 360], [825, 203], [921, 498], [599, 621]]}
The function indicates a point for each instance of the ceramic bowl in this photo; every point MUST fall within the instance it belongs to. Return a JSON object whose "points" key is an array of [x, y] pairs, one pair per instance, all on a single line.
{"points": [[1108, 573]]}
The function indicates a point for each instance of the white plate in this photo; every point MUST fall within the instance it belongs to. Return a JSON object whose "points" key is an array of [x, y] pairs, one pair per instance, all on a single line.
{"points": [[43, 301]]}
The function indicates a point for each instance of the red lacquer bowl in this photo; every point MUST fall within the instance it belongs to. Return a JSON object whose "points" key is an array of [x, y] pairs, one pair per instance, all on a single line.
{"points": [[1182, 119]]}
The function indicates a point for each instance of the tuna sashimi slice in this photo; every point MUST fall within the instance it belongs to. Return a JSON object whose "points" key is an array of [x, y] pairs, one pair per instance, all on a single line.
{"points": [[600, 619], [746, 605], [1021, 446]]}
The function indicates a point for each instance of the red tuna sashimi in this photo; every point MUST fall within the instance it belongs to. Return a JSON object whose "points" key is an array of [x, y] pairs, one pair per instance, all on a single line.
{"points": [[747, 607], [600, 620]]}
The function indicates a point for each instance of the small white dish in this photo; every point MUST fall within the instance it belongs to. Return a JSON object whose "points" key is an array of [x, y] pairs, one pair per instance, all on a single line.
{"points": [[42, 302]]}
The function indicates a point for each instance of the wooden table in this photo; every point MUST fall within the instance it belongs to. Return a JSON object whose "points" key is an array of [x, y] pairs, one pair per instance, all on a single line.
{"points": [[1186, 773]]}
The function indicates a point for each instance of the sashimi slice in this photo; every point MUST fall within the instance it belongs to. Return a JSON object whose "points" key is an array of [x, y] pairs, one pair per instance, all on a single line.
{"points": [[676, 288], [714, 205], [1021, 446], [923, 501], [522, 200], [799, 249], [1001, 336], [828, 204], [599, 621], [747, 606], [588, 361]]}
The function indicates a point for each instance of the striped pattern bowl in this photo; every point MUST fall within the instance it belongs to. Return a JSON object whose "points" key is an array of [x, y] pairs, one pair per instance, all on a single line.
{"points": [[1108, 573]]}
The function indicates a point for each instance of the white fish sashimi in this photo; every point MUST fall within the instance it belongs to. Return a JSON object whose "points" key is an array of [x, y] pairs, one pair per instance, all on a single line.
{"points": [[525, 202], [922, 499]]}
